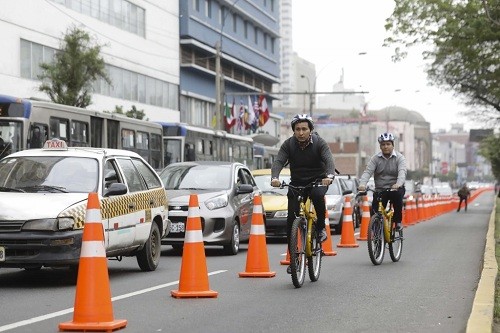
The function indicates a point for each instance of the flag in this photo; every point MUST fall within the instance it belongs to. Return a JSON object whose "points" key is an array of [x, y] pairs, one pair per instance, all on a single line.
{"points": [[241, 117], [249, 114], [264, 111], [256, 111], [229, 116], [364, 110]]}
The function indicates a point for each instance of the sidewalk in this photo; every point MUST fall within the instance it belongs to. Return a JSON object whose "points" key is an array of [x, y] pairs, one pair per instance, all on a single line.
{"points": [[481, 317]]}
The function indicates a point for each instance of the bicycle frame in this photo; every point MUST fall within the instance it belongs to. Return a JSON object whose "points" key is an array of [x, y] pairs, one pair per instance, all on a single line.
{"points": [[307, 210], [387, 213]]}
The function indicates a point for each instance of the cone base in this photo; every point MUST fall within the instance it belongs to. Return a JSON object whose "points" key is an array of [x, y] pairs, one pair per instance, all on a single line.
{"points": [[94, 326], [330, 253], [347, 245], [285, 262], [194, 294], [362, 238], [257, 274]]}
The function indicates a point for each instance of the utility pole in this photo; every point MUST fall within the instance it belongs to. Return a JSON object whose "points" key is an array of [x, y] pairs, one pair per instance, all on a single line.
{"points": [[218, 116]]}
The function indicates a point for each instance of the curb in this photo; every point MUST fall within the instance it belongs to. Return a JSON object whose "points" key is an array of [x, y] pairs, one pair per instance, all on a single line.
{"points": [[481, 317]]}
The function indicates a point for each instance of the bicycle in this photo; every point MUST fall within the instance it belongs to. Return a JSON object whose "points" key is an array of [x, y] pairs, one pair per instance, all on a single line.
{"points": [[382, 231], [304, 245]]}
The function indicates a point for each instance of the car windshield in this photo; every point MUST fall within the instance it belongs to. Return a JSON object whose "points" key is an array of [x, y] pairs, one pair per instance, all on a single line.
{"points": [[264, 184], [48, 174], [196, 177]]}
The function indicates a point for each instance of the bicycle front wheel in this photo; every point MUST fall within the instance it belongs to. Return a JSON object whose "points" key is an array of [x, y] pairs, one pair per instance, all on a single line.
{"points": [[375, 239], [297, 250], [314, 261], [396, 246]]}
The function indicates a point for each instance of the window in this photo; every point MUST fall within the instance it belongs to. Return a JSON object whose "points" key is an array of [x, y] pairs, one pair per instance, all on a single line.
{"points": [[208, 8], [128, 138], [79, 133], [196, 5], [120, 13], [235, 23], [59, 128], [142, 140], [32, 55]]}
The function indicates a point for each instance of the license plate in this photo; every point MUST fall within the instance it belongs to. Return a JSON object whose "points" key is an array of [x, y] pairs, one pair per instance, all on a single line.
{"points": [[177, 227], [2, 253]]}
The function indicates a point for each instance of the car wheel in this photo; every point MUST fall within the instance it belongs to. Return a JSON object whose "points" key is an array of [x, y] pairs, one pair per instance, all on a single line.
{"points": [[148, 257], [234, 244]]}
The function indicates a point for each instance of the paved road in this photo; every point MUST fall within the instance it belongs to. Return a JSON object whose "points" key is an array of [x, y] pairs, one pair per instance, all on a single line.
{"points": [[430, 290]]}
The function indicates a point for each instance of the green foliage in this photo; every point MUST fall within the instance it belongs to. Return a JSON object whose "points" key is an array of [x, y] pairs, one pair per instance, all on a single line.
{"points": [[77, 65], [465, 47], [490, 149], [132, 113]]}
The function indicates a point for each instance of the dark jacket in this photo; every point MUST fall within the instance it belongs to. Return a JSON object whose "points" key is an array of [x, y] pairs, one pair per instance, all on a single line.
{"points": [[314, 162], [464, 192]]}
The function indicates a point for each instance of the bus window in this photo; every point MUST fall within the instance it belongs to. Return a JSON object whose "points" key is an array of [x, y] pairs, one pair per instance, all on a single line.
{"points": [[59, 128], [127, 138], [189, 152], [79, 134], [37, 136], [172, 151]]}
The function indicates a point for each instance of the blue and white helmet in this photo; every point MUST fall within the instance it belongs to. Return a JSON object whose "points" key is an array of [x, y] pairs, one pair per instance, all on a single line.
{"points": [[300, 118], [384, 137]]}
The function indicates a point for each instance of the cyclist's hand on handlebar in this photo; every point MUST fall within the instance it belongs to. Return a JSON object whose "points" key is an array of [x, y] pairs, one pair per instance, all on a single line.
{"points": [[326, 181], [275, 182], [361, 188], [395, 187]]}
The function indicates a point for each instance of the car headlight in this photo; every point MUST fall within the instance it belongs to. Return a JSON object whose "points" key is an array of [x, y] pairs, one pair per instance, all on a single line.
{"points": [[281, 213], [49, 224], [217, 202]]}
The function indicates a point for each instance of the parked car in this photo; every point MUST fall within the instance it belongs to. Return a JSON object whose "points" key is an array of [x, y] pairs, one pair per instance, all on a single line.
{"points": [[225, 194], [43, 200], [352, 183], [274, 200], [334, 198]]}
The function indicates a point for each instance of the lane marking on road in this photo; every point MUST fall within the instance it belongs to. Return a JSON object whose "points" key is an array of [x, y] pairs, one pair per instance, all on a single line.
{"points": [[66, 311]]}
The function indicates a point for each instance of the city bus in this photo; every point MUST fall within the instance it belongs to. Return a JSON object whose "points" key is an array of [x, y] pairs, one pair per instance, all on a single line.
{"points": [[28, 123], [183, 142]]}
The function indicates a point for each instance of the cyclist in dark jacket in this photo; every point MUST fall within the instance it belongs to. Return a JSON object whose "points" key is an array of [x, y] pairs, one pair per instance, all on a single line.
{"points": [[310, 159]]}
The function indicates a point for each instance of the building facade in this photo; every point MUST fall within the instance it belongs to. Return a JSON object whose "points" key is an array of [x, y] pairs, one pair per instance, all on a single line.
{"points": [[229, 51], [140, 46]]}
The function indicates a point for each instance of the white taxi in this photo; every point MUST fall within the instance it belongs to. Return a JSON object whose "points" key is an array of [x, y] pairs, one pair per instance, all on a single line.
{"points": [[43, 200]]}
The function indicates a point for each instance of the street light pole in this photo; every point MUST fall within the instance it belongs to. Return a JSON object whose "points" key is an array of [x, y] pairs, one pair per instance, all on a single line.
{"points": [[310, 94]]}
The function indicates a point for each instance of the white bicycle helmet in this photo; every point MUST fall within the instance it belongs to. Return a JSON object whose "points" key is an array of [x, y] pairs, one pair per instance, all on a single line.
{"points": [[300, 118], [386, 137]]}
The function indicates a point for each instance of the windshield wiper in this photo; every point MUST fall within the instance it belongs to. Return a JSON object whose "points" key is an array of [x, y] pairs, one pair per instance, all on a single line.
{"points": [[10, 189], [46, 188]]}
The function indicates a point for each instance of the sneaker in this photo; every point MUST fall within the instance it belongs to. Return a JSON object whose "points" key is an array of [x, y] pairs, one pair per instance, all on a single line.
{"points": [[289, 270], [322, 235], [399, 227]]}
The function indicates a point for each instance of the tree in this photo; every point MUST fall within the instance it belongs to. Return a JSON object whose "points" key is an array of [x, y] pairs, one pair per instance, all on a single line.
{"points": [[132, 113], [77, 65], [490, 149], [464, 37]]}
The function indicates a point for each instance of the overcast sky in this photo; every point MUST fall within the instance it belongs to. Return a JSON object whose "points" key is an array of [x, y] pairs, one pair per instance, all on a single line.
{"points": [[331, 34]]}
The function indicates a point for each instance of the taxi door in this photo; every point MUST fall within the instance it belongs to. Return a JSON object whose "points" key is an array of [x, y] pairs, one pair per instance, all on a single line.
{"points": [[118, 212]]}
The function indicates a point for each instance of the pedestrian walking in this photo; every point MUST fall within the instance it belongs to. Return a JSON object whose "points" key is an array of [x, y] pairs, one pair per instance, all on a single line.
{"points": [[463, 194]]}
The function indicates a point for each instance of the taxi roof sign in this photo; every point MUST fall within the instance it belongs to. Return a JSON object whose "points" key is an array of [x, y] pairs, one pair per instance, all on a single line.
{"points": [[55, 144]]}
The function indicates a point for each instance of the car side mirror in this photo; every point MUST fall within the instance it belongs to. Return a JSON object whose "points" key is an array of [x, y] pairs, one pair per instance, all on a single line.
{"points": [[244, 189], [346, 192], [116, 189]]}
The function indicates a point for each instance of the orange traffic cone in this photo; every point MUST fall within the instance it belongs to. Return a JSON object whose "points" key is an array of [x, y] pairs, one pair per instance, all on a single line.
{"points": [[93, 310], [365, 220], [257, 259], [286, 261], [327, 245], [347, 236], [193, 281]]}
